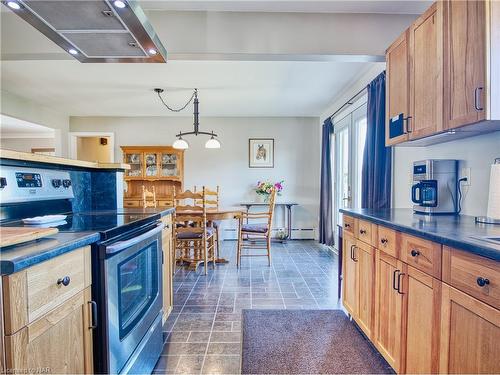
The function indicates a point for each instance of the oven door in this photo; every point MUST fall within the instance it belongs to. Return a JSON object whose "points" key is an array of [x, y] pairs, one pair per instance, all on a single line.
{"points": [[132, 271]]}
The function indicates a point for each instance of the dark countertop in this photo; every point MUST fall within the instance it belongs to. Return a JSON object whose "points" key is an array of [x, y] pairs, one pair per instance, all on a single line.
{"points": [[459, 231], [18, 257]]}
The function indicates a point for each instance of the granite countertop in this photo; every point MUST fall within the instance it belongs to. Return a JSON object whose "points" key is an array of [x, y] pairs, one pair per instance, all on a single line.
{"points": [[458, 231], [18, 257]]}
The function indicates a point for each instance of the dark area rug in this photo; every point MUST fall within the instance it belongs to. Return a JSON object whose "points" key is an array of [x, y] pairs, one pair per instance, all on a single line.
{"points": [[306, 342]]}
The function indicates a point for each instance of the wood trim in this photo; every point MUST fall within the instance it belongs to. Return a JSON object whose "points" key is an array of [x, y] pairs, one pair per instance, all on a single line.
{"points": [[88, 332], [15, 290]]}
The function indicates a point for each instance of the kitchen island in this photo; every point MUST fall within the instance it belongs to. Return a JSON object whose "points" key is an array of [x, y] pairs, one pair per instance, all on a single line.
{"points": [[425, 290]]}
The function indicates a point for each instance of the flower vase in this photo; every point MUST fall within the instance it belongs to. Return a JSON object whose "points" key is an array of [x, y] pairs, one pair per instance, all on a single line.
{"points": [[262, 198]]}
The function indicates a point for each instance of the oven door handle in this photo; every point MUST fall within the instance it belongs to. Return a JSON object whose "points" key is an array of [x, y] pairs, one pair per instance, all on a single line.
{"points": [[121, 245]]}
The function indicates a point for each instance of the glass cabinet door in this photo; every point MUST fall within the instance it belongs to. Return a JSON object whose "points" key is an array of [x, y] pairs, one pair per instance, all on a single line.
{"points": [[169, 165], [151, 161], [135, 161]]}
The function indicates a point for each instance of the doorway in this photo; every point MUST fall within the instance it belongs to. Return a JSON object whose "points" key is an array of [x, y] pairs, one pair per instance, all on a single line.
{"points": [[92, 146]]}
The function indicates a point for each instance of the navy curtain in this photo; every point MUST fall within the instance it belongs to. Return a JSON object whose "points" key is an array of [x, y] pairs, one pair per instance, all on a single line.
{"points": [[376, 172], [326, 232]]}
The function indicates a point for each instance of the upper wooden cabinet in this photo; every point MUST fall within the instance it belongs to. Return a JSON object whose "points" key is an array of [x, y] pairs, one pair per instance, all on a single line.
{"points": [[452, 52], [397, 89], [426, 78]]}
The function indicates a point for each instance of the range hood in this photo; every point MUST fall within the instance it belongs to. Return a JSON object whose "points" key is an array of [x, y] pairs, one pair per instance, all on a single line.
{"points": [[94, 31]]}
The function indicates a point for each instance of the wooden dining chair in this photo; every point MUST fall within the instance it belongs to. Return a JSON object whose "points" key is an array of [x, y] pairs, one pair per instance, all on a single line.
{"points": [[193, 239], [149, 197], [213, 204], [249, 234]]}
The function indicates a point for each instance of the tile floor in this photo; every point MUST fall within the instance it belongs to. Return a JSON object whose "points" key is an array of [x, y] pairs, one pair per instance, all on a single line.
{"points": [[203, 333]]}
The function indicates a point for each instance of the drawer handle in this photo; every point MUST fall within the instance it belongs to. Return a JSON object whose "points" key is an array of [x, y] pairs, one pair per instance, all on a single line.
{"points": [[481, 281], [94, 314], [394, 279], [347, 225], [399, 283], [384, 241], [415, 253], [64, 281], [362, 231]]}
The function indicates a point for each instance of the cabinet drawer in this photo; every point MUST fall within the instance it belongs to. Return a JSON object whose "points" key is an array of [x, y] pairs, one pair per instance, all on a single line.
{"points": [[31, 293], [168, 203], [366, 232], [349, 223], [132, 203], [472, 274], [387, 241], [422, 254]]}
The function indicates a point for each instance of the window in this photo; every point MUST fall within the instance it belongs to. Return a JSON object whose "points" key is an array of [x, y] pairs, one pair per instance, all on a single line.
{"points": [[349, 144]]}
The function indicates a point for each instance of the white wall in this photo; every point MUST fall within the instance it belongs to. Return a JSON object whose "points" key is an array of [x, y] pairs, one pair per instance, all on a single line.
{"points": [[296, 158], [476, 153], [23, 109], [26, 144]]}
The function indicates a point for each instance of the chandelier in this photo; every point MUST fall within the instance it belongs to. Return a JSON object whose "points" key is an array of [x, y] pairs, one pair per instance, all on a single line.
{"points": [[181, 143]]}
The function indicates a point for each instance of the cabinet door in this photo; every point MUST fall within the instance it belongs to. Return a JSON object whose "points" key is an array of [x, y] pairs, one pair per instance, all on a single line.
{"points": [[423, 309], [350, 276], [365, 256], [167, 268], [59, 342], [169, 165], [397, 88], [465, 62], [151, 161], [470, 333], [426, 78], [388, 309], [135, 160]]}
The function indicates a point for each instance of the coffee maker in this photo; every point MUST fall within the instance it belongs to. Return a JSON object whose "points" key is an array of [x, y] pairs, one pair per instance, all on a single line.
{"points": [[434, 189]]}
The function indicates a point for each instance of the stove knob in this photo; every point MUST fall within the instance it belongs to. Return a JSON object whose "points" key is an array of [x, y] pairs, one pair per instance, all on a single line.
{"points": [[56, 182], [66, 183], [3, 182]]}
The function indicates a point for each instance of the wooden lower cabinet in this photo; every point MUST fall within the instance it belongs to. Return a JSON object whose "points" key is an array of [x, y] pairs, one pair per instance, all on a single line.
{"points": [[168, 294], [470, 335], [422, 295], [350, 276], [58, 343], [388, 310], [365, 256]]}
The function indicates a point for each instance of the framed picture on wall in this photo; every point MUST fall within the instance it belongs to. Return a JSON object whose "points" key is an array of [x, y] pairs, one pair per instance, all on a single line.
{"points": [[261, 153]]}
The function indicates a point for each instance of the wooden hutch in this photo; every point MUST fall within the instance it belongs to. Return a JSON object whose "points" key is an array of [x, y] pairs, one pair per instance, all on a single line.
{"points": [[158, 166]]}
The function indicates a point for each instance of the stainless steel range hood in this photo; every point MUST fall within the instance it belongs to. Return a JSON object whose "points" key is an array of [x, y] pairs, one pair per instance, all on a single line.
{"points": [[94, 31]]}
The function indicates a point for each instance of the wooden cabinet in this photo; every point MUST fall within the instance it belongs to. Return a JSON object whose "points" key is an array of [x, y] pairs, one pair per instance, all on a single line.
{"points": [[422, 314], [158, 168], [470, 333], [397, 89], [48, 316], [168, 293], [465, 62], [389, 310], [426, 78], [350, 275]]}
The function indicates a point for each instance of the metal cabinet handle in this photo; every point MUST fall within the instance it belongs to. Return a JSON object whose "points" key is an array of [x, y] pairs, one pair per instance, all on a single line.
{"points": [[415, 253], [384, 241], [477, 99], [347, 225], [64, 281], [362, 231], [481, 281], [407, 119], [399, 283], [352, 251], [94, 314], [354, 254], [394, 279]]}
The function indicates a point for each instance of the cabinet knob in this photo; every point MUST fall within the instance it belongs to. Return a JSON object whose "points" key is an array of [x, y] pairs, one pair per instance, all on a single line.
{"points": [[384, 241], [347, 225], [64, 281], [415, 253], [362, 231], [481, 281]]}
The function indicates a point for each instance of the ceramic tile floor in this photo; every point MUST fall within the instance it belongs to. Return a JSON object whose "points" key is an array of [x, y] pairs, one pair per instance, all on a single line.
{"points": [[203, 333]]}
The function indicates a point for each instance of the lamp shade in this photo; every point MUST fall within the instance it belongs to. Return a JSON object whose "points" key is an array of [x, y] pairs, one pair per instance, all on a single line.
{"points": [[180, 144], [212, 143]]}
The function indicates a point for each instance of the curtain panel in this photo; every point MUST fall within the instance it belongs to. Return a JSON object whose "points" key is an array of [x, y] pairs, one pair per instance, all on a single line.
{"points": [[376, 170], [326, 232]]}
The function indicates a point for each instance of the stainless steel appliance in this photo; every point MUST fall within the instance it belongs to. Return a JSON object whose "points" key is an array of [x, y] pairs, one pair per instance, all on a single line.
{"points": [[435, 186], [126, 265]]}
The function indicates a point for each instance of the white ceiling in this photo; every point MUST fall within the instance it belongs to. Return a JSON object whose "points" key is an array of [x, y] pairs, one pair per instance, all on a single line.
{"points": [[226, 88], [10, 126]]}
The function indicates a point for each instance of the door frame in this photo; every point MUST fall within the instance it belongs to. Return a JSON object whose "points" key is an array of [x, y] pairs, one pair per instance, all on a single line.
{"points": [[73, 145]]}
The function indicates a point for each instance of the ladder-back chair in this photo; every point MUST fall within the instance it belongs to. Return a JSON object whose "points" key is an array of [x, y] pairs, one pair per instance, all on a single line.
{"points": [[212, 203], [148, 197]]}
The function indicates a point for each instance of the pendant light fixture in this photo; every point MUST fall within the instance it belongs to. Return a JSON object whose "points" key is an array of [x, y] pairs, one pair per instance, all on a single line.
{"points": [[181, 143]]}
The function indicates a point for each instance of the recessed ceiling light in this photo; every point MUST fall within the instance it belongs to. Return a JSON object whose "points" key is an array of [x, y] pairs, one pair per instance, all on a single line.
{"points": [[73, 51], [152, 51], [13, 5], [119, 4]]}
